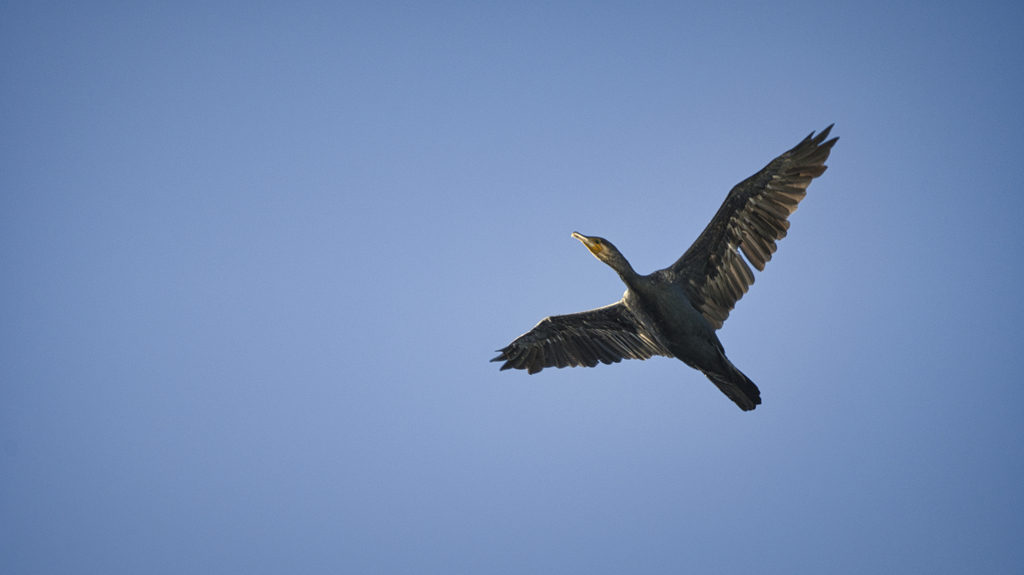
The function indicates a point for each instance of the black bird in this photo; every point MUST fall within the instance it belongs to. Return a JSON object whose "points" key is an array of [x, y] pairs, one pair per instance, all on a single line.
{"points": [[675, 311]]}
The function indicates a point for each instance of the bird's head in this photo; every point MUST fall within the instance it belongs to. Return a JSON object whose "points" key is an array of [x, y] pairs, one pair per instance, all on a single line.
{"points": [[605, 251]]}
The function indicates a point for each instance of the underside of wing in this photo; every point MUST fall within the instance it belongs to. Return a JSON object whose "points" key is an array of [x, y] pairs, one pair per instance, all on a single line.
{"points": [[604, 335], [753, 217]]}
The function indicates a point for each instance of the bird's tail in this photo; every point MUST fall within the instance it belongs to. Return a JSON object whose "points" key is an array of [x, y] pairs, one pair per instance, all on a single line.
{"points": [[736, 386]]}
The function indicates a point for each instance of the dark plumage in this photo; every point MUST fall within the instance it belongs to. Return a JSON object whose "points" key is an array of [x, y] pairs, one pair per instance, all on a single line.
{"points": [[675, 311]]}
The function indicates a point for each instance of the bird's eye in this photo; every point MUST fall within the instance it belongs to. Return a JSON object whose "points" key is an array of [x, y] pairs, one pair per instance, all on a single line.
{"points": [[598, 241]]}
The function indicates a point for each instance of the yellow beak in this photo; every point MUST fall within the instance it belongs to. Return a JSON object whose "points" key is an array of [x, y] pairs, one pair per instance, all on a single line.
{"points": [[594, 247]]}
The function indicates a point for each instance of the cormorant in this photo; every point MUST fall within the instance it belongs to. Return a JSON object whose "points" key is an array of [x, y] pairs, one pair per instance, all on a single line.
{"points": [[675, 311]]}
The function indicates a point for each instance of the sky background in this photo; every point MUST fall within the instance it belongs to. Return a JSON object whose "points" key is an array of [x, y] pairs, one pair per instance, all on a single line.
{"points": [[255, 257]]}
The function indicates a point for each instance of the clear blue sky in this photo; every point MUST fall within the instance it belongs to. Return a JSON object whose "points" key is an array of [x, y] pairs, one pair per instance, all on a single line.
{"points": [[255, 257]]}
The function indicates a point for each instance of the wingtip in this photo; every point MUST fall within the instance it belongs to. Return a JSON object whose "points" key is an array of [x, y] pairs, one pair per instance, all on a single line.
{"points": [[817, 140]]}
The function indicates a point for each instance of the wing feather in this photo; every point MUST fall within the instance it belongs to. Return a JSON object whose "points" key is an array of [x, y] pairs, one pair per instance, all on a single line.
{"points": [[754, 216], [606, 335]]}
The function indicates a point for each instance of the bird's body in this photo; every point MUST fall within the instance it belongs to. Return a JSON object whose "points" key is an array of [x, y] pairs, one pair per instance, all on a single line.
{"points": [[676, 311]]}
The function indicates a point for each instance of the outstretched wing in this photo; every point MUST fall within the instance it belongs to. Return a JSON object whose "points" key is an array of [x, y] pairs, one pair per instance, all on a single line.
{"points": [[753, 217], [607, 334]]}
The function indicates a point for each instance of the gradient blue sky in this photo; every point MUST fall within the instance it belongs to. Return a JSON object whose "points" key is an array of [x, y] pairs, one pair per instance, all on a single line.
{"points": [[255, 257]]}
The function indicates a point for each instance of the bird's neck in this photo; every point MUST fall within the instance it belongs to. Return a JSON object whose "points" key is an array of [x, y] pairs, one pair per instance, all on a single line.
{"points": [[627, 274]]}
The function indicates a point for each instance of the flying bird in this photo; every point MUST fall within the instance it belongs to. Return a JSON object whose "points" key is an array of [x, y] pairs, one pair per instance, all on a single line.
{"points": [[676, 311]]}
